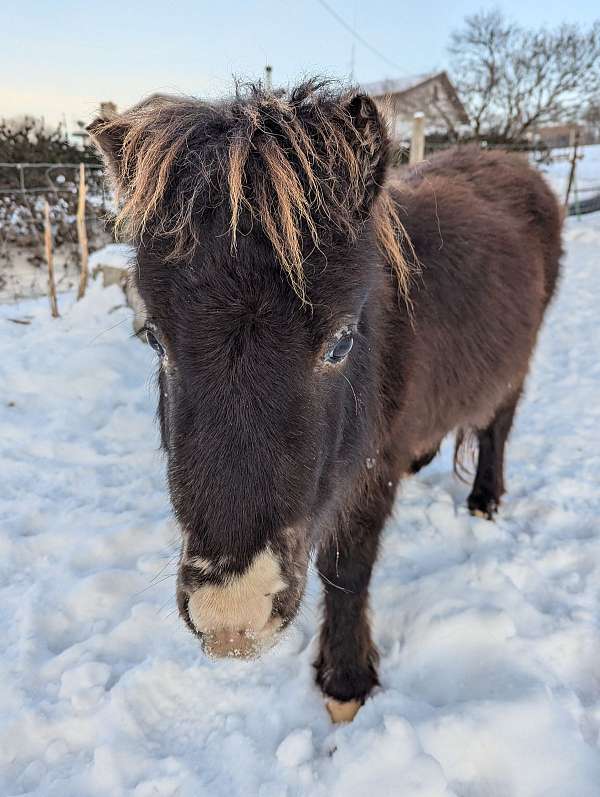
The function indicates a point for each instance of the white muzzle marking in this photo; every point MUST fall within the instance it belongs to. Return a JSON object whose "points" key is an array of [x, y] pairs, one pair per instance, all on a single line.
{"points": [[234, 618]]}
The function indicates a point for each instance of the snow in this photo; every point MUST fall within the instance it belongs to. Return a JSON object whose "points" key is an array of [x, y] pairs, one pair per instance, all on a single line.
{"points": [[587, 172], [113, 255], [296, 748], [489, 632]]}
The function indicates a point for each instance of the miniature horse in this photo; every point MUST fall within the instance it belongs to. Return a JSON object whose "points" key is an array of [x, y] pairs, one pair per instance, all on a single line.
{"points": [[320, 327]]}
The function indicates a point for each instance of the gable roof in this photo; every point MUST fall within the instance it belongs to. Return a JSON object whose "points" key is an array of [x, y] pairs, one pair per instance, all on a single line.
{"points": [[404, 85], [380, 88]]}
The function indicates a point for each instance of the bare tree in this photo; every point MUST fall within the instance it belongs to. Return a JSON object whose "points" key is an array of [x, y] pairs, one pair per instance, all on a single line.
{"points": [[512, 79]]}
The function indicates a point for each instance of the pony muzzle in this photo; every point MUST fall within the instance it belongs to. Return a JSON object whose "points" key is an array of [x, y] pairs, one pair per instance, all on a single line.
{"points": [[235, 617], [243, 644]]}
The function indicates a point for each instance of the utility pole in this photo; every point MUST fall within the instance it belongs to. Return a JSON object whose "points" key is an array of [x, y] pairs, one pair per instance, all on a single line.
{"points": [[353, 49], [269, 78]]}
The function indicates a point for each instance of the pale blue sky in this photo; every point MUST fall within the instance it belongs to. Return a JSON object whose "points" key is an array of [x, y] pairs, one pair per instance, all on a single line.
{"points": [[64, 57]]}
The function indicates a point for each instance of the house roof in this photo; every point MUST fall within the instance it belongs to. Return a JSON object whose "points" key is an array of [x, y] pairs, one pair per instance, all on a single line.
{"points": [[404, 85], [396, 85]]}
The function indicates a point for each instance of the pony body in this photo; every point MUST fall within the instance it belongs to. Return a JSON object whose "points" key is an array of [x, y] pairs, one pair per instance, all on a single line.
{"points": [[321, 325]]}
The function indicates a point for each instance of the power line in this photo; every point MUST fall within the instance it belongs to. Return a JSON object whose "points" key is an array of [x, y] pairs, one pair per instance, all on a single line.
{"points": [[340, 20]]}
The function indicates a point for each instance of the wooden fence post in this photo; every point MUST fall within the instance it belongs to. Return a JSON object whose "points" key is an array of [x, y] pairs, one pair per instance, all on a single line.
{"points": [[417, 141], [50, 261], [82, 234], [574, 142]]}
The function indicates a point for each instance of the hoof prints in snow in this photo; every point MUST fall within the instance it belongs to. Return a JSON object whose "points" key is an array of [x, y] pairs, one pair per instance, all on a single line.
{"points": [[489, 632]]}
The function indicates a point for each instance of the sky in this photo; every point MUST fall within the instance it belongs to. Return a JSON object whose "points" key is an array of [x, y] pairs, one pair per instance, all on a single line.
{"points": [[63, 58]]}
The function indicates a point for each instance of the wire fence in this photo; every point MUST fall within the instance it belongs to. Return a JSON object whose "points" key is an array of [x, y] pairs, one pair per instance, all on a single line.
{"points": [[561, 164], [45, 177], [57, 212], [537, 153], [24, 189]]}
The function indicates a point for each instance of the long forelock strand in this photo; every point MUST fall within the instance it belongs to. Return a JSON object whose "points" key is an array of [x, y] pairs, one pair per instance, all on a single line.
{"points": [[293, 164]]}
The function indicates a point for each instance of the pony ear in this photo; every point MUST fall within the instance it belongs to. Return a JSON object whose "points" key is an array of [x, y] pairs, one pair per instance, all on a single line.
{"points": [[108, 138], [371, 145]]}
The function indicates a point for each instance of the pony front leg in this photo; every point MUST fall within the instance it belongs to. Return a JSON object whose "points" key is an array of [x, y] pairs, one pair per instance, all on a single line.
{"points": [[346, 667]]}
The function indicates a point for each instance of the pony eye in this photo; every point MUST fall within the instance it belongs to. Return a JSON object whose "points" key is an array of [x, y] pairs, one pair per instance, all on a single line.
{"points": [[153, 341], [341, 349]]}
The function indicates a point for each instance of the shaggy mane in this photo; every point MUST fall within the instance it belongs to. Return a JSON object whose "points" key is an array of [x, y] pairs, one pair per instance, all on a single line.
{"points": [[293, 164]]}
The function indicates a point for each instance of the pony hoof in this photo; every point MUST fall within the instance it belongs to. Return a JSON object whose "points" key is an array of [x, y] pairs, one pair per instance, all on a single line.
{"points": [[483, 515], [342, 711], [483, 506]]}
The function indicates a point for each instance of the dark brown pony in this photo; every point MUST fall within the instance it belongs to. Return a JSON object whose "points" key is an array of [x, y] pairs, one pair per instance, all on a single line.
{"points": [[321, 326]]}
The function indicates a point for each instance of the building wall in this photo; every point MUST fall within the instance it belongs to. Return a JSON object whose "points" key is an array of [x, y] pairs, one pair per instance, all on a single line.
{"points": [[430, 99]]}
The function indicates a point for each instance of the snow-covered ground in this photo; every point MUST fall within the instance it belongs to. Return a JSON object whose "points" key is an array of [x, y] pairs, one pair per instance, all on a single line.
{"points": [[587, 173], [489, 632]]}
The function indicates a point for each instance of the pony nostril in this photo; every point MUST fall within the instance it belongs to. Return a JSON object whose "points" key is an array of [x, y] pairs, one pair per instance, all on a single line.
{"points": [[242, 643]]}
